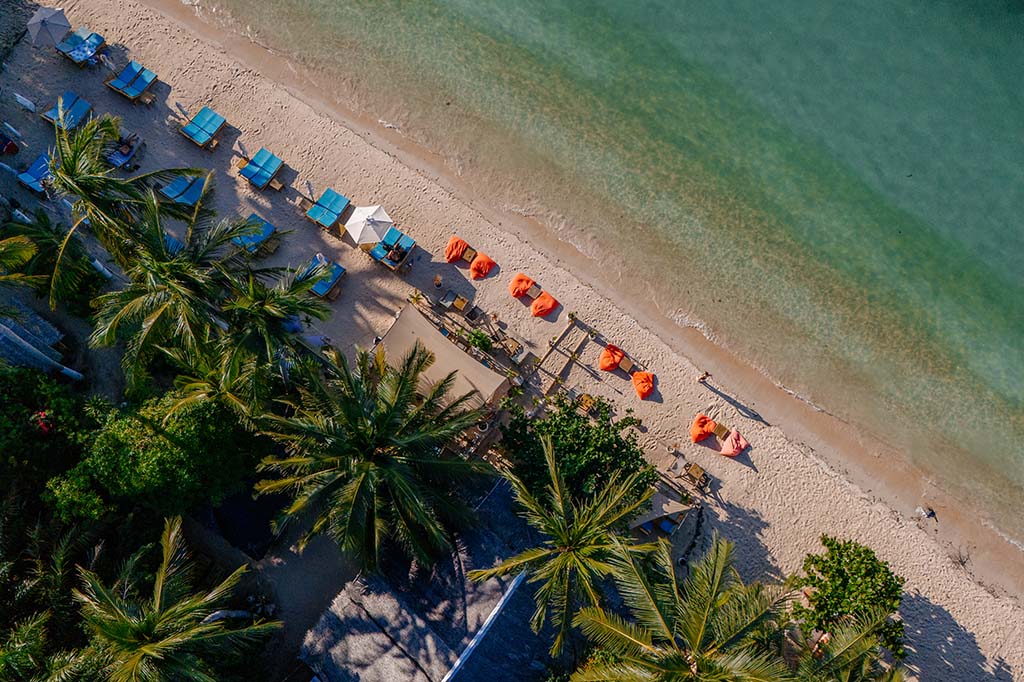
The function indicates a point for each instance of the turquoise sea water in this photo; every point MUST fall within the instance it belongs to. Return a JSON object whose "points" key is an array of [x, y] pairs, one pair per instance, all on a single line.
{"points": [[834, 191]]}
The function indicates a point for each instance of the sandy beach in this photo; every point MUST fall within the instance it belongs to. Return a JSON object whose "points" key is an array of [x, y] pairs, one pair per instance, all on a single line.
{"points": [[806, 474]]}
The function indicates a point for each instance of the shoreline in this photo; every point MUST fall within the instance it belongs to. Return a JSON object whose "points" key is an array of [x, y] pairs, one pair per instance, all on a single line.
{"points": [[849, 449], [812, 465]]}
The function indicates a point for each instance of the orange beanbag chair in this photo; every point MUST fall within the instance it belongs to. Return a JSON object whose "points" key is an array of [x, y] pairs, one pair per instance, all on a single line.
{"points": [[734, 444], [703, 426], [543, 305], [519, 285], [455, 249], [643, 383], [480, 266], [611, 356]]}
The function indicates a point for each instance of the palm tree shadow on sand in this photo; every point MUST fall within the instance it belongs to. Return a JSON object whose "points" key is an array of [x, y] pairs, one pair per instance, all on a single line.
{"points": [[939, 648], [740, 407]]}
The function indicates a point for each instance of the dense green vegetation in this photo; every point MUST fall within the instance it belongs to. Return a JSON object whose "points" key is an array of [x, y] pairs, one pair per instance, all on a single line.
{"points": [[220, 391], [589, 450], [849, 580]]}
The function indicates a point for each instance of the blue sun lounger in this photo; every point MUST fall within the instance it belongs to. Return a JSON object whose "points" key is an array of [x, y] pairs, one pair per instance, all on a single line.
{"points": [[174, 246], [75, 111], [393, 238], [36, 174], [82, 46], [133, 81], [328, 209], [328, 281], [256, 241], [203, 128], [184, 189], [261, 169]]}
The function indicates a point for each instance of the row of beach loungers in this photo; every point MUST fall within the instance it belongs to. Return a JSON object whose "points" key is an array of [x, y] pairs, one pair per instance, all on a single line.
{"points": [[134, 82]]}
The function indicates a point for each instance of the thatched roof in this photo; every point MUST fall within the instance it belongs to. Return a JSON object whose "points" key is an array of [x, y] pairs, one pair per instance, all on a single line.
{"points": [[393, 628], [471, 375]]}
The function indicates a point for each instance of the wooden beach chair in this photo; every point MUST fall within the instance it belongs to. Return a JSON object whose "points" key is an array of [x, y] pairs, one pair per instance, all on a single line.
{"points": [[721, 431]]}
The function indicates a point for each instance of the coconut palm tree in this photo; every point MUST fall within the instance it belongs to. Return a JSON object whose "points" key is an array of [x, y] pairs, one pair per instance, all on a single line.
{"points": [[261, 318], [220, 374], [174, 635], [49, 238], [574, 555], [110, 204], [697, 629], [174, 288], [853, 653], [15, 253], [23, 649], [364, 456]]}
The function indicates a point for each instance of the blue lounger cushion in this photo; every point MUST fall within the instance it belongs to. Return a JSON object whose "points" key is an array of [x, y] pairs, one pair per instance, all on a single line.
{"points": [[666, 526], [174, 246], [81, 46], [36, 174], [140, 84], [127, 75], [196, 134], [321, 216], [203, 126], [328, 208], [73, 40], [406, 242], [391, 238], [378, 252], [209, 120], [176, 187], [335, 203], [262, 168], [75, 111], [252, 242], [328, 278], [192, 193]]}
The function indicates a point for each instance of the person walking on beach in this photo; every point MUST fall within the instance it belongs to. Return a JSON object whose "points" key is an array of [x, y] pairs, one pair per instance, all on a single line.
{"points": [[703, 378]]}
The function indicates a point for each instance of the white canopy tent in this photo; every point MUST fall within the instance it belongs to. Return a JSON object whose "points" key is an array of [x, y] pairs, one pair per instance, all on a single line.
{"points": [[368, 224], [48, 26]]}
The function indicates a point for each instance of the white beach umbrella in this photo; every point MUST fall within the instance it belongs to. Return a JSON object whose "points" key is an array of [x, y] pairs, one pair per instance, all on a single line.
{"points": [[48, 26], [368, 224]]}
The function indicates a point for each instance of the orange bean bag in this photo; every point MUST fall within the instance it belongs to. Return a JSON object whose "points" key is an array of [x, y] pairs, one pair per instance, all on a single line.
{"points": [[643, 383], [481, 266], [519, 285], [611, 356], [543, 305], [703, 426], [456, 247]]}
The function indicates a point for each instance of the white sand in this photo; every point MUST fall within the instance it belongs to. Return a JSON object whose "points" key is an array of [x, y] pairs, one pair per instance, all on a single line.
{"points": [[774, 503]]}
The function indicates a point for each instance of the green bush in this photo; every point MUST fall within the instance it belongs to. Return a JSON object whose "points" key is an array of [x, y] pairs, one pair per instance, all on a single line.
{"points": [[44, 427], [480, 339], [200, 455], [588, 451], [847, 580]]}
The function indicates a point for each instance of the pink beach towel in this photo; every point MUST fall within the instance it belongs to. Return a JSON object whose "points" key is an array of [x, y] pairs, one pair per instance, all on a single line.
{"points": [[734, 444]]}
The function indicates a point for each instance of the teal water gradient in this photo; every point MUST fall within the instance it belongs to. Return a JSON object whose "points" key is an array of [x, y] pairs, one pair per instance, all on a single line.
{"points": [[837, 189]]}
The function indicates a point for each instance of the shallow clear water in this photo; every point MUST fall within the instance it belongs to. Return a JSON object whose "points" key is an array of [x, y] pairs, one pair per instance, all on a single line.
{"points": [[836, 191]]}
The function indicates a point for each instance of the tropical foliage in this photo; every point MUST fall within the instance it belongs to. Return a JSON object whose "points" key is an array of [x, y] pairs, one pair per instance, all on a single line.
{"points": [[364, 455], [589, 450], [573, 558], [175, 633], [77, 282], [699, 628], [850, 580], [198, 455]]}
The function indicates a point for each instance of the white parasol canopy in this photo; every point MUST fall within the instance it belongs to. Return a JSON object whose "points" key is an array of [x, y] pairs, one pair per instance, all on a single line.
{"points": [[48, 26], [368, 224]]}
